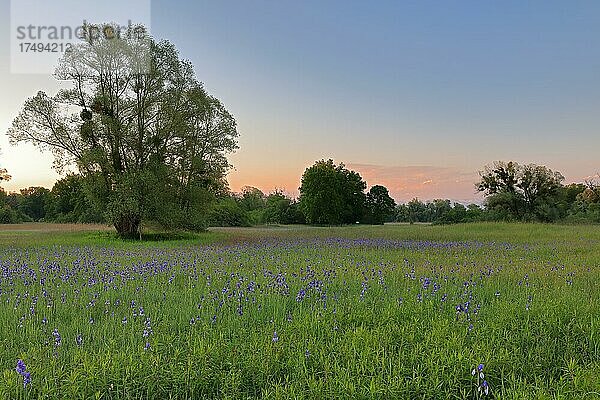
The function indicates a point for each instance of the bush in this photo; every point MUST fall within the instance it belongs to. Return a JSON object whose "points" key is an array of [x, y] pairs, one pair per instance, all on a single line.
{"points": [[226, 212], [10, 216]]}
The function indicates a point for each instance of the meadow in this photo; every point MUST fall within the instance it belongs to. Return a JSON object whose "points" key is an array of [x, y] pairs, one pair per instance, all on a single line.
{"points": [[486, 310]]}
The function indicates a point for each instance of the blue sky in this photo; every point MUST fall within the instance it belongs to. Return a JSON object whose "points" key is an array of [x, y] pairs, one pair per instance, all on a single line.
{"points": [[415, 95]]}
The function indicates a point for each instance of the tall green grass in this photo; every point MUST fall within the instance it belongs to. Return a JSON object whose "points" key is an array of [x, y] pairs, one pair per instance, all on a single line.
{"points": [[375, 327]]}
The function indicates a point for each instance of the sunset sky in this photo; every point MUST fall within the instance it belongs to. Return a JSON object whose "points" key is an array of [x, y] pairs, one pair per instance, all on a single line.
{"points": [[414, 95]]}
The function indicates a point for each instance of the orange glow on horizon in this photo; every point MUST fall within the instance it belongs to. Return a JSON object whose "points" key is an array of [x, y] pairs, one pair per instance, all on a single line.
{"points": [[403, 183]]}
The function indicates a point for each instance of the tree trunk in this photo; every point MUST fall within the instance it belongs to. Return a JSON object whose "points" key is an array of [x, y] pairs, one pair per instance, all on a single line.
{"points": [[129, 226]]}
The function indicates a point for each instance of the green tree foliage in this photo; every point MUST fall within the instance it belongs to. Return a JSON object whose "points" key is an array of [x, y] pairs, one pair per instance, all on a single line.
{"points": [[139, 127], [227, 212], [252, 201], [69, 202], [24, 206], [33, 202], [418, 211], [441, 209], [291, 213], [8, 215], [330, 194], [28, 204], [275, 208], [280, 209], [253, 207], [437, 211], [251, 198], [380, 206], [522, 192], [586, 206], [570, 193]]}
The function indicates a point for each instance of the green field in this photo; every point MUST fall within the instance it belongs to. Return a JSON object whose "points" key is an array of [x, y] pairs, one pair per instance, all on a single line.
{"points": [[397, 311]]}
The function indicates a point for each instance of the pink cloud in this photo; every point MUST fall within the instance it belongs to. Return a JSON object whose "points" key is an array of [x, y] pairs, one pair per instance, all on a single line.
{"points": [[424, 182], [403, 182]]}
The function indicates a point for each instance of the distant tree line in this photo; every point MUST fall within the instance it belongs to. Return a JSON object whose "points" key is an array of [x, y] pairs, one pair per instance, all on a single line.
{"points": [[439, 211], [67, 202], [253, 207], [331, 194], [514, 192]]}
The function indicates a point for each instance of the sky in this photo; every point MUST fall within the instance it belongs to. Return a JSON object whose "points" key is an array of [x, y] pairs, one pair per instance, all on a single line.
{"points": [[415, 95]]}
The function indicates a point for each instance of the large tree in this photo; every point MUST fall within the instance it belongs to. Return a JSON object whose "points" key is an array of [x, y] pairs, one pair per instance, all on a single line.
{"points": [[380, 205], [520, 191], [330, 194], [140, 128]]}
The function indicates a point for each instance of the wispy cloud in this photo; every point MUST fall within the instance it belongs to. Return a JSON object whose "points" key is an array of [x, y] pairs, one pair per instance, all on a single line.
{"points": [[403, 182], [425, 182]]}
